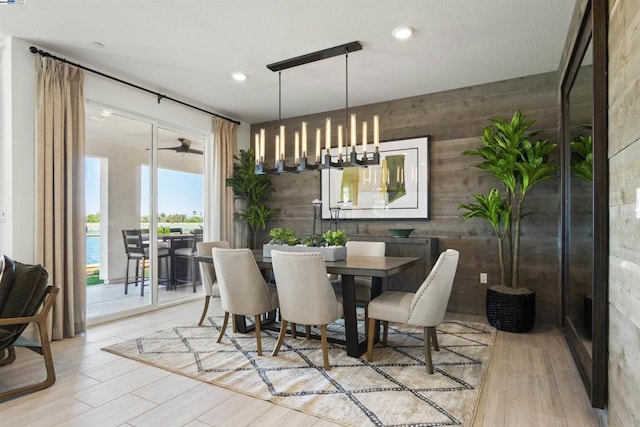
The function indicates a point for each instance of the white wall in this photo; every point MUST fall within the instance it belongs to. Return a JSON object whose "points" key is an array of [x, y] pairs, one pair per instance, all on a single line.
{"points": [[6, 237], [17, 135], [18, 149]]}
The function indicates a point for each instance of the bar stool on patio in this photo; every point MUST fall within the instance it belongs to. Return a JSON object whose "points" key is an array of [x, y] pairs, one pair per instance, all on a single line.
{"points": [[137, 251]]}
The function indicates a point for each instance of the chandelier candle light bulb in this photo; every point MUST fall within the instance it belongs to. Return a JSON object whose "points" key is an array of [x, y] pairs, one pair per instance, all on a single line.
{"points": [[318, 137], [261, 154], [353, 132], [376, 132], [277, 149], [282, 144], [364, 138], [340, 142], [327, 141], [296, 156], [304, 139], [257, 152]]}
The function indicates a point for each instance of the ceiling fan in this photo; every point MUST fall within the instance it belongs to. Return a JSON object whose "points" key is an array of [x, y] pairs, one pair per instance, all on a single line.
{"points": [[184, 147]]}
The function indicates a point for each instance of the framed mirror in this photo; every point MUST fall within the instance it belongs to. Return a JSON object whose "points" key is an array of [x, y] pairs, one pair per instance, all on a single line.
{"points": [[585, 203]]}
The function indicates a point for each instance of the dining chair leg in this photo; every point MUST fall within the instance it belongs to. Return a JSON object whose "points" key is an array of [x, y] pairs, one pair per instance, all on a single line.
{"points": [[137, 271], [434, 338], [193, 272], [204, 311], [126, 278], [307, 330], [234, 325], [224, 325], [385, 331], [427, 350], [283, 332], [325, 347], [258, 335], [371, 327], [294, 330], [366, 320], [142, 283]]}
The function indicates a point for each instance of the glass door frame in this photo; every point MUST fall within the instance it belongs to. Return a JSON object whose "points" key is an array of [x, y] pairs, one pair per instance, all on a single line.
{"points": [[207, 137]]}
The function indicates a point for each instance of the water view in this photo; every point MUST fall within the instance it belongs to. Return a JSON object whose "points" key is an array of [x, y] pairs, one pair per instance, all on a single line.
{"points": [[92, 248]]}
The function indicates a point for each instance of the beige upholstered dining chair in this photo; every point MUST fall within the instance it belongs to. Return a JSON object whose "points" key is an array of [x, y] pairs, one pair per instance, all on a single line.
{"points": [[362, 283], [305, 294], [208, 274], [425, 308], [243, 290]]}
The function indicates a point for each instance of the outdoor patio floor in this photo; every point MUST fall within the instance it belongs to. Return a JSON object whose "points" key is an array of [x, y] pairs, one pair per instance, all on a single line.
{"points": [[108, 299]]}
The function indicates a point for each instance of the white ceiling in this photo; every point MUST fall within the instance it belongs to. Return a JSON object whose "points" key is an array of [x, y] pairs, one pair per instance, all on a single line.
{"points": [[189, 48]]}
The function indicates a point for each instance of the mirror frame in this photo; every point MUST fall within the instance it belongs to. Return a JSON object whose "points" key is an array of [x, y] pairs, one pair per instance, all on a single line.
{"points": [[593, 368]]}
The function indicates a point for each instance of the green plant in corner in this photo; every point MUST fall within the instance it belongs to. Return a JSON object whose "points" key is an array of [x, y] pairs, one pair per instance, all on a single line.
{"points": [[254, 191], [519, 165]]}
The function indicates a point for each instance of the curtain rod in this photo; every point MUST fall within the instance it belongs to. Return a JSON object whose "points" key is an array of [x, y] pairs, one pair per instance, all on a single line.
{"points": [[160, 96]]}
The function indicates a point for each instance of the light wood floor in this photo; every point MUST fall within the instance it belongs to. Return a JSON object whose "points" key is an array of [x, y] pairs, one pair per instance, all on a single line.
{"points": [[531, 381]]}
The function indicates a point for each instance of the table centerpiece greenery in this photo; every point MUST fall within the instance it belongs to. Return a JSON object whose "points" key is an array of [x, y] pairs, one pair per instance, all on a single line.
{"points": [[331, 243]]}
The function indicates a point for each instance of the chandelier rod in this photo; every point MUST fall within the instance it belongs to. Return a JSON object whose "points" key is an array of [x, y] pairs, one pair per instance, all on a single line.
{"points": [[279, 98], [346, 97]]}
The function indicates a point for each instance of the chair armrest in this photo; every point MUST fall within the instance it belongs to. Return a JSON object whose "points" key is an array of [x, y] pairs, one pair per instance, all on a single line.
{"points": [[49, 299], [17, 320]]}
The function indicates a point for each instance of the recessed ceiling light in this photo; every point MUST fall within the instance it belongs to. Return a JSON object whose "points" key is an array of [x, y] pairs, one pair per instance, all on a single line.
{"points": [[403, 32], [239, 76]]}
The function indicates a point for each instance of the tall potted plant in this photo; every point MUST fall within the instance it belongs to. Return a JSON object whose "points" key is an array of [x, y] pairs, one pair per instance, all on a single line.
{"points": [[253, 191], [519, 164]]}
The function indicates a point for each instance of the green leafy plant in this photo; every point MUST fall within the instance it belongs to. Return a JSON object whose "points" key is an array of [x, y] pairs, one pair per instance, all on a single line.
{"points": [[519, 164], [283, 236], [254, 191], [334, 238], [314, 240], [286, 236], [582, 157]]}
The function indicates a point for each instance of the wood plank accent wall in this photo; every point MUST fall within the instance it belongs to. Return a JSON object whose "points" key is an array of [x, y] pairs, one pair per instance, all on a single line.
{"points": [[454, 119], [624, 227]]}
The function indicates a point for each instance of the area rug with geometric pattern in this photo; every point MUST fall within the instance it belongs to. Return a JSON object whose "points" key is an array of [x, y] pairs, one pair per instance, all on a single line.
{"points": [[393, 390]]}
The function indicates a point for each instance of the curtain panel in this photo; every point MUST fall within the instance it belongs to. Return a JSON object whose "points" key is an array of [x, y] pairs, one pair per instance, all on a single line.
{"points": [[60, 217], [221, 200]]}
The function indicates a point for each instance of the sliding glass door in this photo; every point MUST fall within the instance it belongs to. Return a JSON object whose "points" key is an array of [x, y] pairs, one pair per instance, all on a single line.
{"points": [[144, 205], [180, 210]]}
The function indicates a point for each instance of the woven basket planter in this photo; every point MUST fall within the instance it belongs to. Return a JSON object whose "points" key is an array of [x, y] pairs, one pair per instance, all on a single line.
{"points": [[511, 312]]}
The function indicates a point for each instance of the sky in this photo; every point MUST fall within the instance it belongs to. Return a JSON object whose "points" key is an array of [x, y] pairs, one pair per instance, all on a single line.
{"points": [[179, 192]]}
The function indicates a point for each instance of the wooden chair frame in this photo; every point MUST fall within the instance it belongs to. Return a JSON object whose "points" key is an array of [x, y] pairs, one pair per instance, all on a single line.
{"points": [[8, 355]]}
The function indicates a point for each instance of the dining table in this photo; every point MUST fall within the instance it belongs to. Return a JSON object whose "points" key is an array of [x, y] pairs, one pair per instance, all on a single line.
{"points": [[380, 269]]}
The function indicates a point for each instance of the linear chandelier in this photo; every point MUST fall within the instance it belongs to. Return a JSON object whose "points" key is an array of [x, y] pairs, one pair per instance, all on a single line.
{"points": [[346, 156]]}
